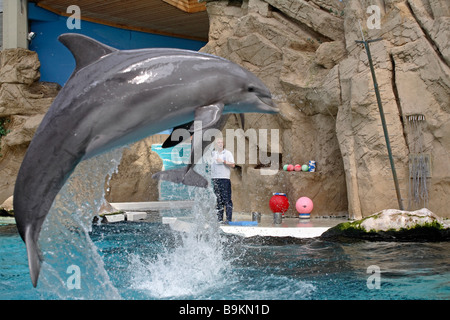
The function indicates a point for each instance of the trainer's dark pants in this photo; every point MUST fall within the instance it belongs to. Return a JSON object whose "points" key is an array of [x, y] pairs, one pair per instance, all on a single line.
{"points": [[222, 189]]}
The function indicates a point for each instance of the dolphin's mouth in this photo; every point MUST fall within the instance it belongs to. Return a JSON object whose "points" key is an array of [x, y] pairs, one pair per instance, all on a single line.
{"points": [[267, 100]]}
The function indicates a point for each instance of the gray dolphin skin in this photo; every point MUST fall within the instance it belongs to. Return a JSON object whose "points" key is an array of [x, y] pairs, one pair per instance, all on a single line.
{"points": [[116, 97]]}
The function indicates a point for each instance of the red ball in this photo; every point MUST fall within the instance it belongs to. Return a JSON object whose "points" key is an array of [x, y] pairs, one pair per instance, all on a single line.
{"points": [[298, 167], [279, 204], [290, 168]]}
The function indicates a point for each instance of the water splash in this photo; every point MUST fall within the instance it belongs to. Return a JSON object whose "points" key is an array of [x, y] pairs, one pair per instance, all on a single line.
{"points": [[203, 262], [65, 240], [197, 265], [185, 271]]}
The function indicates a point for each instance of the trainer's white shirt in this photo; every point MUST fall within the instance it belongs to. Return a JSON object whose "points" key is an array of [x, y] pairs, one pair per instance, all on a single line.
{"points": [[220, 170]]}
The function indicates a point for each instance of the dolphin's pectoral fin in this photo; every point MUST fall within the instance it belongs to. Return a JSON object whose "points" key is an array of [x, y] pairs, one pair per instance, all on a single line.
{"points": [[175, 175], [192, 178], [172, 141], [208, 115], [185, 176], [34, 256]]}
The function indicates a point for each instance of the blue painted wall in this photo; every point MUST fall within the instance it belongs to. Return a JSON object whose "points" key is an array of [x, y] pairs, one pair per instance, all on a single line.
{"points": [[56, 60]]}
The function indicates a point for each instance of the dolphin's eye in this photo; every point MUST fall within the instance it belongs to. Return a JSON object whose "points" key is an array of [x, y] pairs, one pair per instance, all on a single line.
{"points": [[251, 89]]}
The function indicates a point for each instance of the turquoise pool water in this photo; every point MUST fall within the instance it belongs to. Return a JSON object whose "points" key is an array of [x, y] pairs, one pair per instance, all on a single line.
{"points": [[173, 158], [149, 261]]}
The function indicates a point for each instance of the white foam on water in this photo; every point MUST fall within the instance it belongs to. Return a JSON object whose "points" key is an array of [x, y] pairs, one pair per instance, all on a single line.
{"points": [[188, 270], [197, 265]]}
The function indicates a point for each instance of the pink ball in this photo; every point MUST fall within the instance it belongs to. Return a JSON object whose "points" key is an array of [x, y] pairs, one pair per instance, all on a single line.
{"points": [[290, 167], [298, 167], [304, 205]]}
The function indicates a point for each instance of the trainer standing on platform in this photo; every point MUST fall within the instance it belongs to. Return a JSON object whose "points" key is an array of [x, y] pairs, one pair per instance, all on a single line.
{"points": [[222, 162]]}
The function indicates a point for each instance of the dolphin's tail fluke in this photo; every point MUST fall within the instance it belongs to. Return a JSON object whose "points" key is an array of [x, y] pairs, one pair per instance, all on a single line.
{"points": [[34, 256], [185, 176]]}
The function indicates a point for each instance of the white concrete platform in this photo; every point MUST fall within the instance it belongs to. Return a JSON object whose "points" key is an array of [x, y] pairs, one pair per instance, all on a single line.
{"points": [[290, 227], [275, 231], [152, 205]]}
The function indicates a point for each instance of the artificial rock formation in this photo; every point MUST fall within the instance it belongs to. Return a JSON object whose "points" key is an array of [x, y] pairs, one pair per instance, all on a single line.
{"points": [[133, 180], [281, 51], [23, 102], [305, 51], [394, 225]]}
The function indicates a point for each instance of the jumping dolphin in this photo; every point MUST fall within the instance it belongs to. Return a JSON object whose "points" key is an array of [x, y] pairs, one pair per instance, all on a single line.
{"points": [[116, 97]]}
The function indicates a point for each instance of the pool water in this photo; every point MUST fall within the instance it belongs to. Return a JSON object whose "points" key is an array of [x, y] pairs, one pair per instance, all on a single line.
{"points": [[150, 261], [173, 158], [141, 260]]}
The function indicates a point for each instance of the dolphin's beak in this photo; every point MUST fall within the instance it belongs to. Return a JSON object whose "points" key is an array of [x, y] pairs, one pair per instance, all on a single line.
{"points": [[267, 100]]}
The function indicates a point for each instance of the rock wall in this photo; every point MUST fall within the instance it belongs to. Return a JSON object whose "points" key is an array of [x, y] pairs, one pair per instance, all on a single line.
{"points": [[133, 180], [279, 44], [23, 102], [305, 51], [413, 77]]}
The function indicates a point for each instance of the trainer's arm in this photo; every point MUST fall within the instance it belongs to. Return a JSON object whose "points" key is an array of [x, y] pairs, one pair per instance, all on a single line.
{"points": [[229, 164]]}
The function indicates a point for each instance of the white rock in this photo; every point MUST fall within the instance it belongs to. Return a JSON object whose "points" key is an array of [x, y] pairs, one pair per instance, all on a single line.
{"points": [[115, 217], [136, 216], [392, 219]]}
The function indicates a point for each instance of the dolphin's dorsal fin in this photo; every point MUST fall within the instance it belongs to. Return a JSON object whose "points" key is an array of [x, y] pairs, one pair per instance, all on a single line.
{"points": [[85, 50]]}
